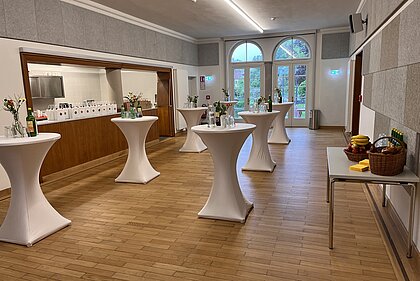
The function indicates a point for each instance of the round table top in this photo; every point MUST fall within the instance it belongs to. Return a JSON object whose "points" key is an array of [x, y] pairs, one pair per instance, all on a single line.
{"points": [[228, 101], [136, 120], [256, 114], [191, 108], [41, 137], [240, 127], [283, 103]]}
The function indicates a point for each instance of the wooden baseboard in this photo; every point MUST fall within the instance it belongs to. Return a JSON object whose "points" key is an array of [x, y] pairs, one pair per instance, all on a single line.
{"points": [[398, 234]]}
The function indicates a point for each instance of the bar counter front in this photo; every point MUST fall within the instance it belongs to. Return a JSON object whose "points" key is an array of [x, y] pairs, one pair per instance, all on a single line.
{"points": [[85, 140]]}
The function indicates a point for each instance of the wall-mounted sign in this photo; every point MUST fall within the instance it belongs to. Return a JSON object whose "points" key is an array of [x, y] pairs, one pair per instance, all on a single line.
{"points": [[335, 72], [207, 97], [202, 82], [209, 78]]}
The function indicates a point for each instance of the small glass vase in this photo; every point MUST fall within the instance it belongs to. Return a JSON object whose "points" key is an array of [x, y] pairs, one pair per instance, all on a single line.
{"points": [[18, 131]]}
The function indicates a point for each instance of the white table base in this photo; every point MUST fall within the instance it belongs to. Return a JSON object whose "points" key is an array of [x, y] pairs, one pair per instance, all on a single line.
{"points": [[279, 134], [259, 157], [192, 116], [226, 201], [137, 169], [30, 216]]}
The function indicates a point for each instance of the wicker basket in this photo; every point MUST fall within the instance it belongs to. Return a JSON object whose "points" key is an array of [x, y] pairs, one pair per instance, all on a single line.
{"points": [[387, 164], [356, 157]]}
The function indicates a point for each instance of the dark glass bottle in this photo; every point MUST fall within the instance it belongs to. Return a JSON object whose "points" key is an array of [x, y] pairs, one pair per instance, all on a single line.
{"points": [[270, 104], [31, 124]]}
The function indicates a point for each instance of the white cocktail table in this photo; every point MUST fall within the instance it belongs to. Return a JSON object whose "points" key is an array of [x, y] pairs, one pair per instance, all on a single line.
{"points": [[30, 216], [259, 157], [230, 105], [137, 169], [338, 171], [226, 201], [278, 134], [192, 117]]}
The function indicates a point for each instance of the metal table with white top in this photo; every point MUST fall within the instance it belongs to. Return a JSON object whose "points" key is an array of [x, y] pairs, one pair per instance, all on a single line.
{"points": [[338, 171]]}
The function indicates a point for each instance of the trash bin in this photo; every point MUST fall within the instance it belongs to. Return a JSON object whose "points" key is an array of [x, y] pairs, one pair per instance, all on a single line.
{"points": [[314, 119]]}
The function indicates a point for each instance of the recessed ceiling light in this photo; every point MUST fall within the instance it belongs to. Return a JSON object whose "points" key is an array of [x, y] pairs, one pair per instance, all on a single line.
{"points": [[195, 1], [273, 18]]}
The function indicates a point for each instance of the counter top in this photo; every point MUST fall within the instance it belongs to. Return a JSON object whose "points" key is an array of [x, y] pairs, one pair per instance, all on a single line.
{"points": [[47, 122]]}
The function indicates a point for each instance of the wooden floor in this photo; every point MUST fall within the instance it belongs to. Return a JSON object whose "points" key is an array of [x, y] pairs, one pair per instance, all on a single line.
{"points": [[151, 232]]}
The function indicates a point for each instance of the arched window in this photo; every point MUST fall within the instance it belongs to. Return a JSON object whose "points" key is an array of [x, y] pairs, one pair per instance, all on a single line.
{"points": [[247, 52], [291, 49]]}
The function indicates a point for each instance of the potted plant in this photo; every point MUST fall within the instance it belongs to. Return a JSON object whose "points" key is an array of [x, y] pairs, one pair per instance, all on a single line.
{"points": [[226, 93], [192, 101], [278, 95]]}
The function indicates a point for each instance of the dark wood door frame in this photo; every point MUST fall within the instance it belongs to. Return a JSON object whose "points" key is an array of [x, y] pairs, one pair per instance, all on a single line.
{"points": [[164, 90], [357, 94]]}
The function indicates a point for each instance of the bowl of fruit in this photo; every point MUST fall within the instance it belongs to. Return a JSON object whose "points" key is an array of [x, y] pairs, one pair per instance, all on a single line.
{"points": [[358, 148]]}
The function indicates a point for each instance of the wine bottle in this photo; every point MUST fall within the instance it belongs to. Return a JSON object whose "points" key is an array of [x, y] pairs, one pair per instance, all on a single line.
{"points": [[31, 124], [270, 104]]}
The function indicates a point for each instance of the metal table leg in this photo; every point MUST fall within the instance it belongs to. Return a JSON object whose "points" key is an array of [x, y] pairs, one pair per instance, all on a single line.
{"points": [[331, 213], [411, 220], [384, 195], [328, 186]]}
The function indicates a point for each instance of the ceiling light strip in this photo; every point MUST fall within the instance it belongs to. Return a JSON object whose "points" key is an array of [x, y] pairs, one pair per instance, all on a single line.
{"points": [[234, 6]]}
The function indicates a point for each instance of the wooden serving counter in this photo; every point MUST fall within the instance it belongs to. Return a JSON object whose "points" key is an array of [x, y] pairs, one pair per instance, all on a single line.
{"points": [[85, 140]]}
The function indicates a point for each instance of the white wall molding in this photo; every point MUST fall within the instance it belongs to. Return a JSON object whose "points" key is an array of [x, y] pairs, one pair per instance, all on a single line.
{"points": [[335, 30], [93, 6]]}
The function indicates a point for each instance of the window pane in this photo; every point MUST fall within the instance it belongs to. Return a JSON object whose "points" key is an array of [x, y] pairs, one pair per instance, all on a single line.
{"points": [[300, 91], [238, 88], [292, 49], [239, 55], [253, 53], [247, 52], [254, 83], [284, 51], [300, 49]]}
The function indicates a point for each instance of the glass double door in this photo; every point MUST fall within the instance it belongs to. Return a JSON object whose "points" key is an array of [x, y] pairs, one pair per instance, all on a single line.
{"points": [[292, 80], [247, 85]]}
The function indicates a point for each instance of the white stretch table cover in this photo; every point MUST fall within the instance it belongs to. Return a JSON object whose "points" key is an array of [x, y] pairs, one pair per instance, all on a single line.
{"points": [[259, 157], [192, 116], [231, 105], [137, 169], [30, 216], [226, 201], [278, 134]]}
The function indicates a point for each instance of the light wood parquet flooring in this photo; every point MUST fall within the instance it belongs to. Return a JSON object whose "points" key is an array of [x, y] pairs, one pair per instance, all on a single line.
{"points": [[151, 232]]}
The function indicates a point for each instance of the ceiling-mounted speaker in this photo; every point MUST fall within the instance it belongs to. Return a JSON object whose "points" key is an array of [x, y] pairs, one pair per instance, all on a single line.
{"points": [[356, 22]]}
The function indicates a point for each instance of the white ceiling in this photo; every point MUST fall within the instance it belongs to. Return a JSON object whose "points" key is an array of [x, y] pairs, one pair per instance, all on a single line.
{"points": [[214, 18]]}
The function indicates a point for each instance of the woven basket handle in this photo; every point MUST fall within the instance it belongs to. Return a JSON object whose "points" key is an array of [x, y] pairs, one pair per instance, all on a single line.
{"points": [[389, 137]]}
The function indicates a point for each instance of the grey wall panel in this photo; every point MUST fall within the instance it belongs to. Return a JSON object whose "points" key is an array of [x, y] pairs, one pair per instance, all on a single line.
{"points": [[410, 138], [367, 90], [377, 12], [382, 125], [335, 45], [409, 38], [20, 19], [57, 22], [412, 99], [174, 49], [208, 54], [366, 59], [94, 30], [2, 20], [378, 92], [114, 35], [395, 87], [389, 49], [49, 21], [375, 53], [160, 46], [74, 31], [130, 45]]}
